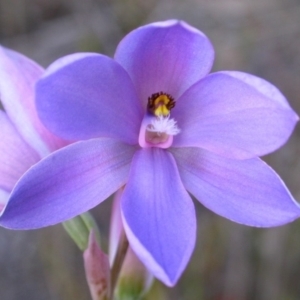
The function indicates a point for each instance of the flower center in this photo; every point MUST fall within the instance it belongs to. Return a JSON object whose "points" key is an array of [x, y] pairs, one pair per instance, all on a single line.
{"points": [[158, 128]]}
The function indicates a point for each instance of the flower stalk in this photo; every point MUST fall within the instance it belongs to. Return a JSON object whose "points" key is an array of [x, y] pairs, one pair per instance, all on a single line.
{"points": [[118, 261], [79, 229]]}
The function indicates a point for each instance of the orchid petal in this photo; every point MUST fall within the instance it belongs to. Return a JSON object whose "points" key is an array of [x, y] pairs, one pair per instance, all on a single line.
{"points": [[261, 85], [158, 215], [84, 96], [165, 56], [245, 191], [67, 183], [16, 156], [231, 118], [18, 75]]}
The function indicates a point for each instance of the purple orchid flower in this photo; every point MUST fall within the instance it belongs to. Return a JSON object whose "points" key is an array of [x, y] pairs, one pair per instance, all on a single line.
{"points": [[24, 139], [153, 120]]}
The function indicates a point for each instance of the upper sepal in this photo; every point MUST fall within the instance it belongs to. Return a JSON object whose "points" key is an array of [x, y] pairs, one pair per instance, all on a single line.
{"points": [[165, 57]]}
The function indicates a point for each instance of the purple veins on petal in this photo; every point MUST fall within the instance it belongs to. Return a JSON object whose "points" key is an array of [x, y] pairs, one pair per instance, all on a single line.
{"points": [[245, 191], [231, 118], [158, 215], [165, 56], [67, 183], [261, 85], [88, 96]]}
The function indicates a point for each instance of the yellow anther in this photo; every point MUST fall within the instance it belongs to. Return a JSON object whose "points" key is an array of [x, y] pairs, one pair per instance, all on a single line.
{"points": [[160, 104], [162, 110]]}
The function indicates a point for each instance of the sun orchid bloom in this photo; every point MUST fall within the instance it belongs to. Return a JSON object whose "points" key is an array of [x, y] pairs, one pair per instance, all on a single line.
{"points": [[154, 121], [23, 138]]}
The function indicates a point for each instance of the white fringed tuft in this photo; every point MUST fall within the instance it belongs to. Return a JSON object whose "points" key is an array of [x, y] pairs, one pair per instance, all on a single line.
{"points": [[163, 125]]}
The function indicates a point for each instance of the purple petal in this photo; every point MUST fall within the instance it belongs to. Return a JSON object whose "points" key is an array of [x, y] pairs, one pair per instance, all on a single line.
{"points": [[4, 195], [158, 215], [165, 56], [229, 117], [261, 85], [18, 75], [89, 95], [248, 191], [16, 157], [67, 183]]}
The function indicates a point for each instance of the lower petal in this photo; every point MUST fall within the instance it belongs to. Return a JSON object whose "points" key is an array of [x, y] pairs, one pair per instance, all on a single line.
{"points": [[67, 183], [247, 192], [158, 215]]}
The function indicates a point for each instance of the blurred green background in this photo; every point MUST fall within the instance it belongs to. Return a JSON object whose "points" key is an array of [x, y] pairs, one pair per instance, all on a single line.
{"points": [[230, 262]]}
